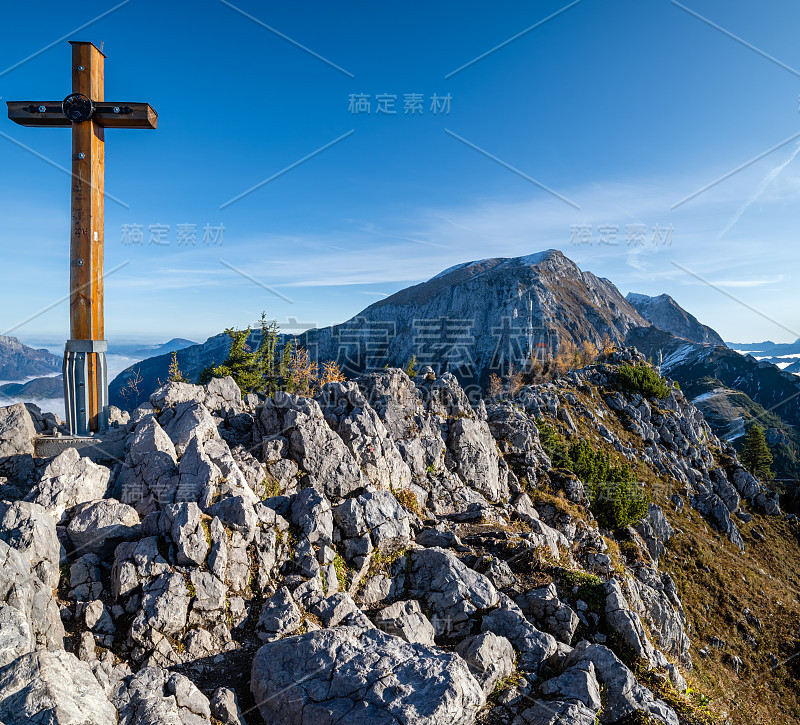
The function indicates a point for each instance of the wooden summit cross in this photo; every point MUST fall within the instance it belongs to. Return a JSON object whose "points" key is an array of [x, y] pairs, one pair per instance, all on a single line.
{"points": [[88, 114]]}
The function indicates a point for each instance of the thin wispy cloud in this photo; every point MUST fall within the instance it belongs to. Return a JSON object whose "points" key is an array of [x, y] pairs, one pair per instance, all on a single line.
{"points": [[391, 251], [746, 282], [762, 187]]}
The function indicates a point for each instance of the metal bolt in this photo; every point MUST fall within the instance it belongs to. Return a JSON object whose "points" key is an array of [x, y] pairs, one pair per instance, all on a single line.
{"points": [[116, 109], [80, 67], [79, 262], [42, 109], [81, 155]]}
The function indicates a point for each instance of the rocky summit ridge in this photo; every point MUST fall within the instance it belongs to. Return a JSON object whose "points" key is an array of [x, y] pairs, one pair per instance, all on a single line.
{"points": [[18, 361], [473, 319], [666, 314], [386, 552]]}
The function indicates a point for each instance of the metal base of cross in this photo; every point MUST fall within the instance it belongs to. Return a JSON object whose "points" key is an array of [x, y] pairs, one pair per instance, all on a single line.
{"points": [[85, 381]]}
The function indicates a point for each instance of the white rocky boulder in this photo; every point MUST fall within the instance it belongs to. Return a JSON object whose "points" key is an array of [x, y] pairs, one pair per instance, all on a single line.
{"points": [[350, 675], [68, 480]]}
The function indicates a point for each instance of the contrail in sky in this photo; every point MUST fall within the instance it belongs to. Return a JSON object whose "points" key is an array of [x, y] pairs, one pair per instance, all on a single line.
{"points": [[768, 179]]}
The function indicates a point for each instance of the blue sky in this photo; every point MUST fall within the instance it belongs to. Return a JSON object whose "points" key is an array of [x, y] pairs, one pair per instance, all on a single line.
{"points": [[622, 108]]}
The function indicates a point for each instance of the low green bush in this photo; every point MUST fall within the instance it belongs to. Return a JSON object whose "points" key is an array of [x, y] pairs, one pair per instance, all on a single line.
{"points": [[643, 379], [552, 444], [616, 498]]}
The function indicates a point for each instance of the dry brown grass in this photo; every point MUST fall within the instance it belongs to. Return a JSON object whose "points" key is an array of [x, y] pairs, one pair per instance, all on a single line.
{"points": [[716, 582]]}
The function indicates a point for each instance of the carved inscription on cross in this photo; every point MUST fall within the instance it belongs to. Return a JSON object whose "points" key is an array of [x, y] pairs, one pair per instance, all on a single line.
{"points": [[88, 114]]}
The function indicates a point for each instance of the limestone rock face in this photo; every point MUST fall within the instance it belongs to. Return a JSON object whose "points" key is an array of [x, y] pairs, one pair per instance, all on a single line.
{"points": [[189, 420], [16, 432], [624, 695], [490, 658], [406, 620], [714, 508], [454, 593], [556, 712], [333, 675], [149, 475], [31, 530], [475, 456], [67, 481], [372, 520], [349, 413], [223, 396], [313, 445], [98, 526], [311, 513], [16, 638], [181, 525], [225, 707], [535, 647], [53, 687], [198, 477], [626, 622], [654, 597], [553, 615], [153, 695], [415, 431], [575, 683], [164, 608], [135, 564], [518, 439], [171, 394], [279, 615], [24, 591]]}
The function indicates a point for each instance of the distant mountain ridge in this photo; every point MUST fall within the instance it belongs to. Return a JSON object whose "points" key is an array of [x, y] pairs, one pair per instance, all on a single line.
{"points": [[786, 355], [49, 387], [18, 361], [142, 351], [481, 316], [473, 319], [666, 314], [775, 390]]}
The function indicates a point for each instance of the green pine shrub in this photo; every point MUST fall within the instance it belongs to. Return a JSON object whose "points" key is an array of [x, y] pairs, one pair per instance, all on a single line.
{"points": [[643, 379]]}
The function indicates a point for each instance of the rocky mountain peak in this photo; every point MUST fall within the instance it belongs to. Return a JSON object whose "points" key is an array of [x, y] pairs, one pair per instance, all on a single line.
{"points": [[18, 361], [472, 319], [666, 314]]}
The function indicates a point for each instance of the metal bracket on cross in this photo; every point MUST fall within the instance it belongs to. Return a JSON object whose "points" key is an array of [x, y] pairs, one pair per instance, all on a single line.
{"points": [[77, 379]]}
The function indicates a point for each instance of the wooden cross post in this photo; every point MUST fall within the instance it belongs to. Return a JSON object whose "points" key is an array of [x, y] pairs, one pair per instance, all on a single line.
{"points": [[88, 114]]}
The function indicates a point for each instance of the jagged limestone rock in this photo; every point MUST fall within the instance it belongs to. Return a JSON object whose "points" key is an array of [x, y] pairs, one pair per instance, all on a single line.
{"points": [[454, 593], [489, 656], [67, 481], [31, 530], [99, 526], [149, 475], [53, 687], [624, 695], [315, 447], [350, 674], [405, 620], [553, 615]]}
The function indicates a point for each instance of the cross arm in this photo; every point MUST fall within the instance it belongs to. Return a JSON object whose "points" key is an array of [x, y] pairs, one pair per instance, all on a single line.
{"points": [[108, 114]]}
